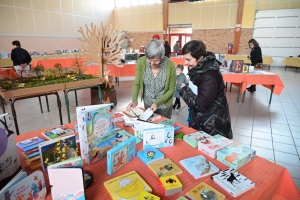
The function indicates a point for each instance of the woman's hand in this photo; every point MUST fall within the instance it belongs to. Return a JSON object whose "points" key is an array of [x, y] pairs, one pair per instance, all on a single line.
{"points": [[131, 105], [182, 85], [153, 107]]}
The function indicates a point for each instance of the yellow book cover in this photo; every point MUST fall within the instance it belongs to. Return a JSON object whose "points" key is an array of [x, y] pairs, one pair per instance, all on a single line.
{"points": [[147, 196], [170, 182], [127, 186], [165, 167], [204, 191]]}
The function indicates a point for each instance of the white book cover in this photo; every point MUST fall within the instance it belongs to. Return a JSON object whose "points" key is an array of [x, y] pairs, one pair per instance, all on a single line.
{"points": [[233, 182], [193, 87]]}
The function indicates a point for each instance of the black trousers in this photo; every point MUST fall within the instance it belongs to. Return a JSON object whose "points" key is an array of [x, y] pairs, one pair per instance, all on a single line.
{"points": [[177, 102]]}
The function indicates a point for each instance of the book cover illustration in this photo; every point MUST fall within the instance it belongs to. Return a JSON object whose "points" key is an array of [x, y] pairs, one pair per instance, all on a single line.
{"points": [[245, 69], [236, 66], [72, 186], [193, 138], [171, 184], [29, 142], [165, 167], [139, 126], [205, 191], [120, 155], [233, 182], [183, 198], [57, 150], [158, 137], [127, 186], [199, 166], [31, 187], [72, 162], [167, 122], [122, 135], [236, 155], [150, 155], [134, 112], [56, 132], [147, 196]]}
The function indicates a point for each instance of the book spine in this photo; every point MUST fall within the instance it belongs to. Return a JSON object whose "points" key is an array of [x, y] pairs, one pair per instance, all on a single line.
{"points": [[109, 165]]}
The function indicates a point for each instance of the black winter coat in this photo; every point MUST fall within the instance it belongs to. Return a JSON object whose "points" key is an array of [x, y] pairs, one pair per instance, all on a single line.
{"points": [[167, 50], [255, 55], [209, 109]]}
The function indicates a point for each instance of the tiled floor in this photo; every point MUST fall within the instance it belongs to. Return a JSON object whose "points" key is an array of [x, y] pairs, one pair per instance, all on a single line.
{"points": [[274, 131]]}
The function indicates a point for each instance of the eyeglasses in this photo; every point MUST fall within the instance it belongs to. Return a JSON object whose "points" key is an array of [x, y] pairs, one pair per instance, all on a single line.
{"points": [[154, 61]]}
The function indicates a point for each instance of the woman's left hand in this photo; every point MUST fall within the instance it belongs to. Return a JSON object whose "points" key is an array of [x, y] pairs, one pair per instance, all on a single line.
{"points": [[153, 107], [182, 85]]}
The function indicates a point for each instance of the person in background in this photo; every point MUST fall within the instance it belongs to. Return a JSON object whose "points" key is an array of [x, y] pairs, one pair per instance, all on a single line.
{"points": [[20, 58], [155, 80], [181, 78], [256, 59], [209, 111], [176, 48], [167, 49]]}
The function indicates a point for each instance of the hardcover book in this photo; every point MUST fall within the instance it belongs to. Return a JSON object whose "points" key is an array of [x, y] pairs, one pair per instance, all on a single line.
{"points": [[123, 135], [147, 196], [204, 191], [56, 132], [181, 198], [233, 182], [120, 155], [150, 155], [139, 126], [17, 178], [72, 162], [165, 167], [211, 145], [236, 66], [29, 142], [167, 122], [193, 138], [170, 184], [127, 186], [236, 155], [199, 166], [158, 137]]}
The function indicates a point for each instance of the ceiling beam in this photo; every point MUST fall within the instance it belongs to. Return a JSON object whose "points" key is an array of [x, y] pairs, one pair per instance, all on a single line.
{"points": [[238, 26], [165, 18]]}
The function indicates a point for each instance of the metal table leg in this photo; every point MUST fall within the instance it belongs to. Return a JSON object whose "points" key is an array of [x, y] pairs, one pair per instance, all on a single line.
{"points": [[47, 102], [243, 96], [59, 107], [272, 89], [76, 98], [2, 104], [41, 106], [14, 114], [239, 90]]}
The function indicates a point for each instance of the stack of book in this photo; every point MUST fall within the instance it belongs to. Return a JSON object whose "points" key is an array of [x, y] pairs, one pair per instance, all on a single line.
{"points": [[193, 138]]}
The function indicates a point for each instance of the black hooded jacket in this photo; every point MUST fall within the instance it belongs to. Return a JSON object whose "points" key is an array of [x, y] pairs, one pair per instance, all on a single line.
{"points": [[209, 110]]}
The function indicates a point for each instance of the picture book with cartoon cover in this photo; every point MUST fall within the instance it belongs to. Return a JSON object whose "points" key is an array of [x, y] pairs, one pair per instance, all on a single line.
{"points": [[199, 166], [171, 184], [23, 145], [233, 182], [57, 150], [122, 135], [17, 178], [205, 191], [150, 155], [120, 155], [167, 122], [127, 186], [31, 187], [165, 167], [158, 137], [72, 186], [72, 162], [147, 196], [139, 126], [211, 145], [193, 138], [57, 131]]}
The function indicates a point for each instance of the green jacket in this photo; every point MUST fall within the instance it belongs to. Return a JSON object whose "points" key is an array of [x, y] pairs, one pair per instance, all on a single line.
{"points": [[170, 86]]}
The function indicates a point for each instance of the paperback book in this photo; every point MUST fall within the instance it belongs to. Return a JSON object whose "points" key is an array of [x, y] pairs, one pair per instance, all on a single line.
{"points": [[127, 186], [72, 162], [17, 178], [122, 135], [170, 184], [120, 155], [56, 132], [147, 196], [31, 143], [165, 167], [150, 155], [199, 166], [167, 122], [233, 182], [193, 138], [139, 126], [158, 137], [205, 191]]}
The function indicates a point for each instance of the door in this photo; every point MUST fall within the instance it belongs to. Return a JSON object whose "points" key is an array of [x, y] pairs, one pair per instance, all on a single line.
{"points": [[183, 38]]}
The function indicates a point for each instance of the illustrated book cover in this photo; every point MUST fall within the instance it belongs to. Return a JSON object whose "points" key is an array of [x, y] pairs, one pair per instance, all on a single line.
{"points": [[158, 137], [199, 166], [139, 126], [23, 145], [150, 155], [17, 178], [31, 187], [236, 155], [147, 196], [193, 138], [233, 182], [57, 150], [57, 131], [72, 162], [127, 186], [211, 145], [167, 122], [120, 155], [72, 186], [205, 191], [236, 66], [170, 184], [122, 135], [165, 167]]}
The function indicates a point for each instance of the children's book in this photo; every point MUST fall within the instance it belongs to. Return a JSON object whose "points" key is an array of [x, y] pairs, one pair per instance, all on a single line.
{"points": [[29, 142], [167, 122], [233, 182], [139, 126], [199, 166], [165, 167], [204, 191], [123, 135], [57, 150], [236, 155], [193, 138], [72, 186], [127, 186], [120, 155], [17, 178], [134, 112], [147, 196], [179, 135], [72, 162], [118, 116], [31, 187], [56, 132], [236, 66], [211, 145], [182, 198], [150, 155], [170, 184], [158, 137]]}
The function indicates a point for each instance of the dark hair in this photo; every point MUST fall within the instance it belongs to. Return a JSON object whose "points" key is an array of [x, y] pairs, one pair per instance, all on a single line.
{"points": [[166, 42], [254, 42], [17, 43], [180, 66], [197, 48]]}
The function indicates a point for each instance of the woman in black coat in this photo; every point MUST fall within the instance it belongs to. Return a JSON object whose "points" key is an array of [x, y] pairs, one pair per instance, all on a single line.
{"points": [[209, 109], [167, 49]]}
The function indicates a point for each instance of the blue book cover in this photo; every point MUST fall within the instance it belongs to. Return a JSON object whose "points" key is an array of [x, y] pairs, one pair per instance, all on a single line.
{"points": [[167, 122], [158, 137], [122, 135], [199, 166], [150, 155], [120, 155], [29, 142]]}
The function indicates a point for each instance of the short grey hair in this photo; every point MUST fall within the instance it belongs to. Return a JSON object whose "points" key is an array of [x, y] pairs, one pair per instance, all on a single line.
{"points": [[154, 48]]}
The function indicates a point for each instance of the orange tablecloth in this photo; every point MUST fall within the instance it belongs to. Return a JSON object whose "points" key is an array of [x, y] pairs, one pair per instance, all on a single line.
{"points": [[8, 73], [49, 63], [271, 180], [177, 61]]}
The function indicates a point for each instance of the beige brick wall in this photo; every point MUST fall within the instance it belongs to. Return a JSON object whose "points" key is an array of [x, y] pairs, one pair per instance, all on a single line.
{"points": [[246, 35], [142, 38]]}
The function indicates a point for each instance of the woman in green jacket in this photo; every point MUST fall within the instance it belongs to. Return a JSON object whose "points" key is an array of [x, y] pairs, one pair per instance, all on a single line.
{"points": [[155, 80]]}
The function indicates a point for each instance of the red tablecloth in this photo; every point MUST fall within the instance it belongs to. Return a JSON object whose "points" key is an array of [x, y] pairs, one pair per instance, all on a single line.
{"points": [[177, 61]]}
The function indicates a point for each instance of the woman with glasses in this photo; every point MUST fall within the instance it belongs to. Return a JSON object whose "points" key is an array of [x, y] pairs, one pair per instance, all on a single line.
{"points": [[155, 80]]}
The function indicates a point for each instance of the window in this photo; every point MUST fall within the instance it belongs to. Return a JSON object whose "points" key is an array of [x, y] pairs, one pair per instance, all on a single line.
{"points": [[127, 3], [119, 3], [158, 1], [151, 1], [143, 2], [134, 2]]}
